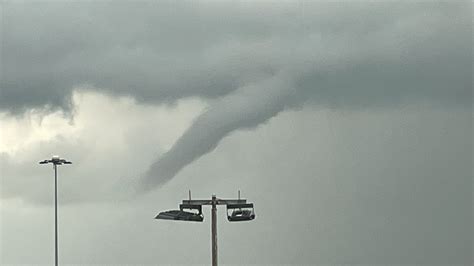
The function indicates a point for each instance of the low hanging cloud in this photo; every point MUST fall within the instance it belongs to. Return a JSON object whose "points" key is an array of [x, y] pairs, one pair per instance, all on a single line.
{"points": [[246, 108], [249, 62], [161, 52]]}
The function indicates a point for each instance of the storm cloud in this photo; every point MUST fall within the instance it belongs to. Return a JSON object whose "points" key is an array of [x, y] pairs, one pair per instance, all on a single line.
{"points": [[336, 55], [345, 54]]}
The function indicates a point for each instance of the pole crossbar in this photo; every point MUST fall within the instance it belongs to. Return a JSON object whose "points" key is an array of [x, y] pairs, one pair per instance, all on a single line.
{"points": [[217, 202]]}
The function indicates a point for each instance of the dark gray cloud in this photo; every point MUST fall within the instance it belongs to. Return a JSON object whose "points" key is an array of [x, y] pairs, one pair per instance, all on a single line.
{"points": [[333, 54], [352, 54]]}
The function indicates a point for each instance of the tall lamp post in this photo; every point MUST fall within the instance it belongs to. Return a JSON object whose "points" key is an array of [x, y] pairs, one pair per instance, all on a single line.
{"points": [[238, 210], [56, 161]]}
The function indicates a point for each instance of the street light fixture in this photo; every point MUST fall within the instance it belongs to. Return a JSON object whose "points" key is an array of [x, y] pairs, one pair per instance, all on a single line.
{"points": [[55, 160], [239, 209]]}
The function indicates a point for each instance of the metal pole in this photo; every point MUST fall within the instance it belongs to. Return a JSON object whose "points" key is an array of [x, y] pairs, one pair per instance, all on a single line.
{"points": [[56, 214], [214, 230]]}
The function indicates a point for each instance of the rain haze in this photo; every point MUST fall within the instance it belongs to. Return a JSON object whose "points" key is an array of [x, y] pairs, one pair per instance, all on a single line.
{"points": [[347, 123]]}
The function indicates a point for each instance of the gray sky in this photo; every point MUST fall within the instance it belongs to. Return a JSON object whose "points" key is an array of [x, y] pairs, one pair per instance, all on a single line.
{"points": [[348, 124]]}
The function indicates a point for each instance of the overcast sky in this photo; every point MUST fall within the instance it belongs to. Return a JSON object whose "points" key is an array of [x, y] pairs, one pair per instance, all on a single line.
{"points": [[347, 123]]}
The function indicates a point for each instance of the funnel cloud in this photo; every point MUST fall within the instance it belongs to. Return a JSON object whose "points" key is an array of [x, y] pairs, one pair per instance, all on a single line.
{"points": [[248, 107]]}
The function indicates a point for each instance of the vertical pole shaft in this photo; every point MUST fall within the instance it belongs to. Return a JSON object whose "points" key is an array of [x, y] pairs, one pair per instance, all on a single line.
{"points": [[56, 214], [214, 230]]}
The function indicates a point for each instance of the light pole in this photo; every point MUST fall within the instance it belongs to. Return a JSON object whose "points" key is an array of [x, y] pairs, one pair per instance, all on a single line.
{"points": [[214, 230], [240, 211], [56, 161]]}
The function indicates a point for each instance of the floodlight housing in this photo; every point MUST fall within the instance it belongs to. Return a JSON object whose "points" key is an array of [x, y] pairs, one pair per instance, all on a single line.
{"points": [[240, 212], [180, 215]]}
